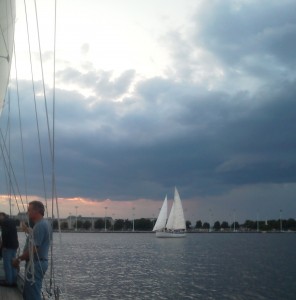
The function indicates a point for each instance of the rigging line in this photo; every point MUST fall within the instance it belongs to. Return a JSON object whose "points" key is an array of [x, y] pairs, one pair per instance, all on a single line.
{"points": [[34, 96], [9, 168], [42, 73], [49, 136], [53, 103], [3, 147], [9, 13], [53, 186], [54, 191], [44, 93], [7, 181], [21, 128], [9, 144], [47, 121]]}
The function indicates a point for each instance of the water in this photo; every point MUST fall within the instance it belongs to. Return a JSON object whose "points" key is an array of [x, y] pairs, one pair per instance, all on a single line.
{"points": [[200, 266]]}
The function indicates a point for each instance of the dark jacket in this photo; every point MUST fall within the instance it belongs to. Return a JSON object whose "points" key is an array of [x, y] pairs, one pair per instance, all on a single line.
{"points": [[9, 234]]}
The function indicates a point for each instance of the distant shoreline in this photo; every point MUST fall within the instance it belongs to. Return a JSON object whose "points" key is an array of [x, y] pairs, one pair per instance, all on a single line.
{"points": [[189, 232]]}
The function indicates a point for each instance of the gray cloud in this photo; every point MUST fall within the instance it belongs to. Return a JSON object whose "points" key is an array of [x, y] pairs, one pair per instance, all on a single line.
{"points": [[234, 46], [167, 136], [235, 30]]}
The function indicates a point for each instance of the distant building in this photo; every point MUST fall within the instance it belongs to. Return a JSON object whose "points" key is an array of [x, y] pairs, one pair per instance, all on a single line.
{"points": [[22, 217], [71, 220]]}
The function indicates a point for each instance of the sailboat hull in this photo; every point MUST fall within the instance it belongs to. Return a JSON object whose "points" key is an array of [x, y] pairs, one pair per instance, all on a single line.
{"points": [[170, 234]]}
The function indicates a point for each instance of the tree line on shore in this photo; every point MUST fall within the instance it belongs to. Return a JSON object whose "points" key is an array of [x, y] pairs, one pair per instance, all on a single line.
{"points": [[145, 224]]}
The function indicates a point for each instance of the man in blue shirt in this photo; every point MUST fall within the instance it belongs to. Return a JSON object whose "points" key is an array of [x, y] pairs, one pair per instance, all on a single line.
{"points": [[37, 258]]}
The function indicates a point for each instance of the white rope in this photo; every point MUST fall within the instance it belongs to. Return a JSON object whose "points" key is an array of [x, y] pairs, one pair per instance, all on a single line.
{"points": [[30, 264], [33, 256]]}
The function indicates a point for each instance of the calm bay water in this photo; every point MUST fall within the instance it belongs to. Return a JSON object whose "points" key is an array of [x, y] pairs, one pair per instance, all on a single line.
{"points": [[201, 266]]}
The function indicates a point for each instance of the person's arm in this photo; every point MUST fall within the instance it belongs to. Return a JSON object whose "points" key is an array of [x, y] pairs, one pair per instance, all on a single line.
{"points": [[26, 228], [25, 256]]}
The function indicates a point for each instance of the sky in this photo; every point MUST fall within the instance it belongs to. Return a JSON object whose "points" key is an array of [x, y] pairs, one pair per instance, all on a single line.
{"points": [[150, 95]]}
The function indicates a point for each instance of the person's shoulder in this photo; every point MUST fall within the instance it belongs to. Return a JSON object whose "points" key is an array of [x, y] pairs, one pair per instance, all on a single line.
{"points": [[45, 223], [42, 225], [39, 224], [10, 222]]}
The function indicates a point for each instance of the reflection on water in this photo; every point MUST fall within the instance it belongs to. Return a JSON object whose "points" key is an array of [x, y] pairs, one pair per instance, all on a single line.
{"points": [[200, 266]]}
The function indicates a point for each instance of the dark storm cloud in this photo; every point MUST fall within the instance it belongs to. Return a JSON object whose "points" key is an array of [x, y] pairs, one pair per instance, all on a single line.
{"points": [[206, 141]]}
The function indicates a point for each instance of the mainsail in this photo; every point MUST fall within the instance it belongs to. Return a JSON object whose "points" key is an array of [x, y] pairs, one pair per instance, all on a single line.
{"points": [[176, 219], [7, 17]]}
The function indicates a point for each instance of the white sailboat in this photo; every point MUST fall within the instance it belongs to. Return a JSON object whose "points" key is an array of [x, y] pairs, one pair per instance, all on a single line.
{"points": [[175, 225]]}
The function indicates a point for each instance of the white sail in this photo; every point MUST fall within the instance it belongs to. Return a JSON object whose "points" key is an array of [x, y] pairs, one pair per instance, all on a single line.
{"points": [[170, 221], [162, 217], [176, 219], [7, 17]]}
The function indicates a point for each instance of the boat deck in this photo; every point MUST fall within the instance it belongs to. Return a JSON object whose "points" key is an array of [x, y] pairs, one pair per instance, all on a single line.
{"points": [[8, 292]]}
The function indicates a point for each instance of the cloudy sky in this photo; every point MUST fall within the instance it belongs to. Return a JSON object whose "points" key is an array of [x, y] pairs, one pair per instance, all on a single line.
{"points": [[156, 94]]}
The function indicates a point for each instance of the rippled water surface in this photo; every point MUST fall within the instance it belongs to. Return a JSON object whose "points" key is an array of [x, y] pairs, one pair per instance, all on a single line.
{"points": [[200, 266]]}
